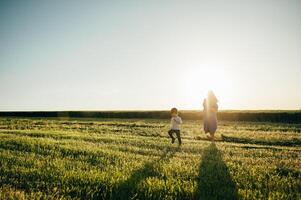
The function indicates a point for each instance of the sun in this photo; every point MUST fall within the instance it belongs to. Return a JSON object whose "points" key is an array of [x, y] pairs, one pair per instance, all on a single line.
{"points": [[197, 81]]}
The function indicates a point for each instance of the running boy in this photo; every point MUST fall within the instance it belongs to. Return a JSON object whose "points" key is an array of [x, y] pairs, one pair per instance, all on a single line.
{"points": [[175, 125]]}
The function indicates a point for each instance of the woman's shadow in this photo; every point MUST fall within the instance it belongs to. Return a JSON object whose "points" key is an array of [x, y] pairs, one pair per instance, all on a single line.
{"points": [[215, 181]]}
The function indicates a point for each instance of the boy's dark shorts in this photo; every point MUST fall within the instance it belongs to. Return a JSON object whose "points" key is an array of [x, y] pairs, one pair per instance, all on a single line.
{"points": [[171, 131]]}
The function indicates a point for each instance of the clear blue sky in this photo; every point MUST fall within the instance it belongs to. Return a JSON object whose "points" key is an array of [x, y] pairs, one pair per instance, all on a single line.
{"points": [[105, 55]]}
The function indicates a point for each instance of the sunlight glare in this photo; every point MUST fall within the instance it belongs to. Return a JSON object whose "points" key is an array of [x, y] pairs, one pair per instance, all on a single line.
{"points": [[197, 81]]}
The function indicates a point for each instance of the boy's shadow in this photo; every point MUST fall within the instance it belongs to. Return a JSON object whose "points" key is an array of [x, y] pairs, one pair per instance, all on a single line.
{"points": [[214, 178], [128, 189]]}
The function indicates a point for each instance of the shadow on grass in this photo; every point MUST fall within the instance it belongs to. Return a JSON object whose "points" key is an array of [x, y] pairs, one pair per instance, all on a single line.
{"points": [[129, 189], [293, 142], [214, 178]]}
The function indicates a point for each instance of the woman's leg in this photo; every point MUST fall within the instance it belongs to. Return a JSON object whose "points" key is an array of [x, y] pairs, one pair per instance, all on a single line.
{"points": [[212, 137]]}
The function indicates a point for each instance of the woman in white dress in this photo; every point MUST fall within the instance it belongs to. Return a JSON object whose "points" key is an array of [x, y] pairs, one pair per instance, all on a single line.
{"points": [[209, 115]]}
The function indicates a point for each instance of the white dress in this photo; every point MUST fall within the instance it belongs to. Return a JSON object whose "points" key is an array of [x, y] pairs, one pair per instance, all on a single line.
{"points": [[209, 116]]}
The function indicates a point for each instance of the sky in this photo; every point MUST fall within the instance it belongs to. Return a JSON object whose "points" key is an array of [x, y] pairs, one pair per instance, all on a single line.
{"points": [[149, 55]]}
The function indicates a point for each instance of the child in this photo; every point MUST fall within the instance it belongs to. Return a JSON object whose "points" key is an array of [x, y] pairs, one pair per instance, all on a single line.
{"points": [[175, 125]]}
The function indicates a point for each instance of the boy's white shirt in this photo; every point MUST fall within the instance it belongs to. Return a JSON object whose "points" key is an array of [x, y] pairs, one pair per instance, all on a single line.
{"points": [[175, 123]]}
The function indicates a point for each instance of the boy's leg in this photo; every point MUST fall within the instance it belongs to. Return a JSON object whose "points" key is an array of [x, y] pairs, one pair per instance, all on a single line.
{"points": [[179, 136], [171, 136]]}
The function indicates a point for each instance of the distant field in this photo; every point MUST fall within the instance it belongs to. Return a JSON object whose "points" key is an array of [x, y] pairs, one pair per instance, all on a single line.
{"points": [[133, 159], [283, 116]]}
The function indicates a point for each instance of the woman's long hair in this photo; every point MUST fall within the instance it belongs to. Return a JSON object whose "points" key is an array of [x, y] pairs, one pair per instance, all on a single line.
{"points": [[211, 98]]}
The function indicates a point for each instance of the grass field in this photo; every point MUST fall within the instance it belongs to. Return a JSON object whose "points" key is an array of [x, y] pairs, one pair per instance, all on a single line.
{"points": [[133, 159]]}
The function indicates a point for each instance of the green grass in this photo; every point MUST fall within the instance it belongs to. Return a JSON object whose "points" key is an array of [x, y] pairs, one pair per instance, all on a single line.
{"points": [[133, 159]]}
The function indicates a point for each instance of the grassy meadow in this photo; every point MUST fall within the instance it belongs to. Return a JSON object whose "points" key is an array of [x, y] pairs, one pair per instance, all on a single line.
{"points": [[48, 158]]}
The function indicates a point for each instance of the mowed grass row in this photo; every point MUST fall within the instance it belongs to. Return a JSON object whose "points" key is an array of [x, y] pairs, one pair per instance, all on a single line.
{"points": [[133, 159], [262, 133]]}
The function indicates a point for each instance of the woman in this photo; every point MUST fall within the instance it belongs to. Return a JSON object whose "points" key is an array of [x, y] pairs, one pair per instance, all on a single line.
{"points": [[209, 115]]}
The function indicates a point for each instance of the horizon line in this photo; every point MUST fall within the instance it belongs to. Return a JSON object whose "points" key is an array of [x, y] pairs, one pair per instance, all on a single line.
{"points": [[145, 110]]}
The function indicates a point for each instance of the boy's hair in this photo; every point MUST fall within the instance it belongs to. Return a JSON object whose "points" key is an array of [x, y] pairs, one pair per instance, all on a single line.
{"points": [[174, 110]]}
